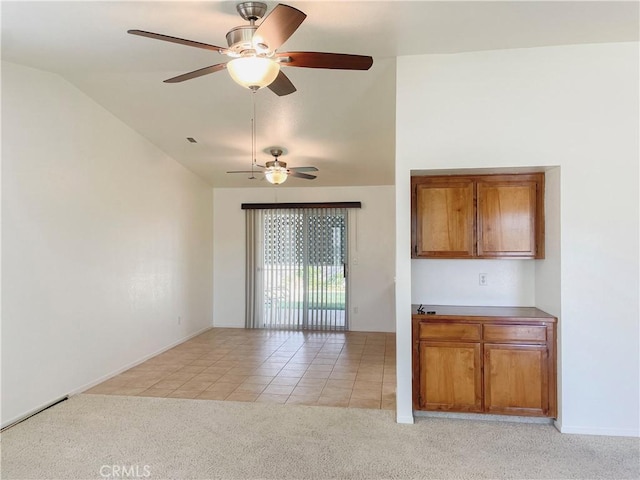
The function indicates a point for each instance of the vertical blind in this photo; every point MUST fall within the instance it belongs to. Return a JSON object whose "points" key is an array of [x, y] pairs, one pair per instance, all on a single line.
{"points": [[296, 268]]}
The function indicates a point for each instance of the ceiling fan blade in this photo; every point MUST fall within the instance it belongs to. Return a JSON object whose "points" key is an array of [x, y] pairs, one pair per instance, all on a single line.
{"points": [[278, 26], [340, 61], [197, 73], [181, 41], [304, 169], [302, 175], [282, 86]]}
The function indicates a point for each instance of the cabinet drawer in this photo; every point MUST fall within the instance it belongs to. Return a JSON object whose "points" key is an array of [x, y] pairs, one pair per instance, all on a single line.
{"points": [[450, 331], [515, 333]]}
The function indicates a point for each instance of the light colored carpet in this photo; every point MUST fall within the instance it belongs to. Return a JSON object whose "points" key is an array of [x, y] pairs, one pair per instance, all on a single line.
{"points": [[160, 438]]}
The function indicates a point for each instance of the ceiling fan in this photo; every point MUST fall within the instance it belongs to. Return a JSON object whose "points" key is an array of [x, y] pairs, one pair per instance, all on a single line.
{"points": [[276, 171], [253, 48]]}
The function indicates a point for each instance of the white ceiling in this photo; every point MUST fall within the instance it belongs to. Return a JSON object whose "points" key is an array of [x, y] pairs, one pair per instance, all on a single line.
{"points": [[342, 122]]}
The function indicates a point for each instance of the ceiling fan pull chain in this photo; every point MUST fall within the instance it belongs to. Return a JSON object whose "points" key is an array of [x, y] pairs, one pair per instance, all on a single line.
{"points": [[253, 161], [253, 127]]}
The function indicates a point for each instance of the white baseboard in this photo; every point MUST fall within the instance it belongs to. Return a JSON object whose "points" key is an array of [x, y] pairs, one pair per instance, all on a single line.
{"points": [[558, 424], [609, 432], [408, 419], [32, 412], [103, 378], [106, 377]]}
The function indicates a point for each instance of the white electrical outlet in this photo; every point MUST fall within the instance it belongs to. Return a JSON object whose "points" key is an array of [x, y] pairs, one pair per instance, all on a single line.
{"points": [[355, 310], [179, 320], [482, 279]]}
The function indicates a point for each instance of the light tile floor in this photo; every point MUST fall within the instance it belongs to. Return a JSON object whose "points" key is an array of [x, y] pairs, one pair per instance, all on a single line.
{"points": [[341, 369]]}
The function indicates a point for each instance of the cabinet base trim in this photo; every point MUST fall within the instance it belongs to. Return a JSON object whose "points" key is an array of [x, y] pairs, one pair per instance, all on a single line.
{"points": [[484, 417]]}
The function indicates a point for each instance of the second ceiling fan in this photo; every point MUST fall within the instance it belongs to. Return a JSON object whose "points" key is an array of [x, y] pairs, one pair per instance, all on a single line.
{"points": [[276, 171], [253, 48]]}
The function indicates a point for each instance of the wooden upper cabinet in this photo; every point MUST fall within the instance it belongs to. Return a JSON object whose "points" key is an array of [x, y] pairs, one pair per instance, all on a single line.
{"points": [[508, 216], [445, 225], [480, 216]]}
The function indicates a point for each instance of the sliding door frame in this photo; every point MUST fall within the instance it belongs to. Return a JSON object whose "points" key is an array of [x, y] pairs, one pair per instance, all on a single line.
{"points": [[255, 313]]}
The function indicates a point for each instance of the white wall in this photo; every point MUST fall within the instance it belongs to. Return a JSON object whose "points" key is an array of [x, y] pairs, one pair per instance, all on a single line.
{"points": [[575, 107], [372, 244], [455, 282], [105, 242], [548, 273]]}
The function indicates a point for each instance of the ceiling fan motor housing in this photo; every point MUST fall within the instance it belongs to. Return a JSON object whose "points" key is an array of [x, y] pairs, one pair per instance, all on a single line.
{"points": [[276, 164], [240, 39]]}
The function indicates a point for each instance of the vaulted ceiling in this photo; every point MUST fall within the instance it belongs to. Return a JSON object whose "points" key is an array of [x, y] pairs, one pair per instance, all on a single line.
{"points": [[342, 122]]}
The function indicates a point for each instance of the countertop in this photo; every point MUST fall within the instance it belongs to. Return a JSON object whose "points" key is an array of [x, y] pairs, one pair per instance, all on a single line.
{"points": [[477, 311]]}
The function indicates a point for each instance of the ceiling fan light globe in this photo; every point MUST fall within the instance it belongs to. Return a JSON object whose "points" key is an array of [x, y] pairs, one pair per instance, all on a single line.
{"points": [[253, 72], [276, 175]]}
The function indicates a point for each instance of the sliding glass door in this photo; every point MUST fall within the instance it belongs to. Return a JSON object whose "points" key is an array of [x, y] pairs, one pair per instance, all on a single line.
{"points": [[300, 269]]}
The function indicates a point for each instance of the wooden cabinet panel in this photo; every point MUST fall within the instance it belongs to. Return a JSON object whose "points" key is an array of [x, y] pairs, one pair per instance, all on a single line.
{"points": [[515, 333], [506, 218], [445, 225], [451, 376], [450, 331], [478, 216], [516, 379]]}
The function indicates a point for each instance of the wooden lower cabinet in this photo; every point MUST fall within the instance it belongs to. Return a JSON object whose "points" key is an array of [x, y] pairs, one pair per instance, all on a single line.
{"points": [[465, 360], [516, 379], [451, 378]]}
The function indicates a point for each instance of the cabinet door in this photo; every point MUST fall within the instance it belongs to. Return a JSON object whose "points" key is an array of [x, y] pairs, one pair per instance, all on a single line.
{"points": [[444, 218], [516, 379], [450, 376], [508, 225]]}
